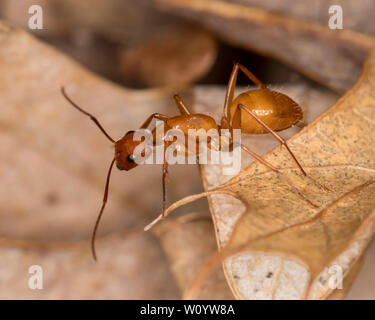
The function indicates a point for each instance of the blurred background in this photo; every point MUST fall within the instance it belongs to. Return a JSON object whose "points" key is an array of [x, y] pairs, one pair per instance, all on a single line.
{"points": [[137, 55]]}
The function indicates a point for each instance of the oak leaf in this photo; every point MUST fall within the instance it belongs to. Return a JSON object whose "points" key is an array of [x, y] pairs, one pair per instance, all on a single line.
{"points": [[276, 245]]}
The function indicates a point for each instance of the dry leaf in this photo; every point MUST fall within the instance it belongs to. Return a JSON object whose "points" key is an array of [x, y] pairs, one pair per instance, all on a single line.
{"points": [[290, 33], [54, 169], [287, 245], [302, 242], [187, 242]]}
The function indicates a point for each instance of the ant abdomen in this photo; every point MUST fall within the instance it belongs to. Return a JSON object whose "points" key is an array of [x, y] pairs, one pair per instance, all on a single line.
{"points": [[275, 109]]}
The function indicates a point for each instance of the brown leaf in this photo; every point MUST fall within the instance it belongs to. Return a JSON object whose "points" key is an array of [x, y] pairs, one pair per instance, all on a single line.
{"points": [[187, 242], [287, 246], [296, 35], [337, 149]]}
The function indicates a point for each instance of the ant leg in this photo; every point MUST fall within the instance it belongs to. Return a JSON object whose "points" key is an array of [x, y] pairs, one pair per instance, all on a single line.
{"points": [[156, 116], [237, 125], [281, 140], [231, 86], [224, 123], [279, 173], [165, 172], [184, 110], [252, 77]]}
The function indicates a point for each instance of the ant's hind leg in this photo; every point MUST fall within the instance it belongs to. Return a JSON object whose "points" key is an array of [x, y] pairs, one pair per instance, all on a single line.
{"points": [[237, 125], [282, 143], [232, 86], [229, 94], [184, 110], [252, 77], [279, 173]]}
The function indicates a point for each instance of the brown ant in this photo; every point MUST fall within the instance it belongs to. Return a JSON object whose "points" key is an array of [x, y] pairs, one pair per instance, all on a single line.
{"points": [[253, 111]]}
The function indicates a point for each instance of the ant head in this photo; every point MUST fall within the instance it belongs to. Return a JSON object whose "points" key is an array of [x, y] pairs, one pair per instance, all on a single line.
{"points": [[124, 152]]}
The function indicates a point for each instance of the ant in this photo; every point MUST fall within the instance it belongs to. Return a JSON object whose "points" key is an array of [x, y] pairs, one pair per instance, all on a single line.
{"points": [[254, 111]]}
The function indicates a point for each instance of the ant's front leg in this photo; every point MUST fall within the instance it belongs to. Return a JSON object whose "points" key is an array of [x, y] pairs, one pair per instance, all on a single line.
{"points": [[165, 162]]}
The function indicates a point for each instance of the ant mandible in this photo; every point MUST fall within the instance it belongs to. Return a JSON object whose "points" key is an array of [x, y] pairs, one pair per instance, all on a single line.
{"points": [[253, 111]]}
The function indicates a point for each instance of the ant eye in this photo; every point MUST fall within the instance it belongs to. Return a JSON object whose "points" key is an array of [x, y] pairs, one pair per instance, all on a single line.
{"points": [[130, 158]]}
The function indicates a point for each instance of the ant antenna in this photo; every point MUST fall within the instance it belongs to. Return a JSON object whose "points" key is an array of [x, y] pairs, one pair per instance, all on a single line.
{"points": [[87, 114], [101, 210]]}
